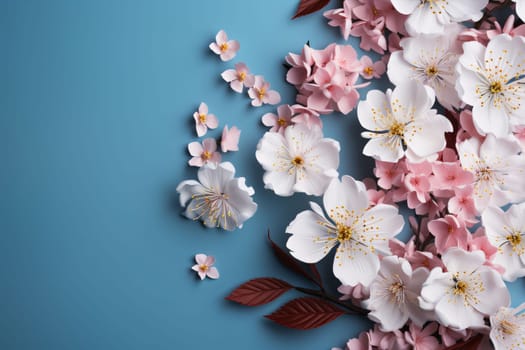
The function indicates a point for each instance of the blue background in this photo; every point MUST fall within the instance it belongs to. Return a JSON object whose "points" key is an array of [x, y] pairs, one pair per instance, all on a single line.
{"points": [[96, 113]]}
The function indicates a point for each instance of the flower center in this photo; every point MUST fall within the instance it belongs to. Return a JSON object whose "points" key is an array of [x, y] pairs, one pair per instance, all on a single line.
{"points": [[514, 239], [397, 129], [281, 122], [460, 288], [397, 290], [224, 47], [344, 233], [202, 118], [431, 71], [242, 76], [261, 93], [206, 155], [508, 327], [495, 87], [369, 70], [374, 11], [484, 174], [298, 161], [203, 267]]}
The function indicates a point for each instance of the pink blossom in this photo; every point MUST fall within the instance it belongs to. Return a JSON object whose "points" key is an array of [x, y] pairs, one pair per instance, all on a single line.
{"points": [[449, 175], [449, 232], [451, 336], [360, 343], [480, 241], [204, 266], [387, 340], [508, 28], [389, 174], [422, 339], [462, 204], [468, 130], [203, 154], [203, 120], [230, 139], [226, 49], [371, 34], [372, 69], [417, 183], [370, 10], [260, 93], [305, 115], [357, 292], [341, 17], [280, 121], [301, 66], [238, 77]]}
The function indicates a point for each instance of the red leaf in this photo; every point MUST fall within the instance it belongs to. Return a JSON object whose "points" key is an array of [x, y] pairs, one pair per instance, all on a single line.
{"points": [[288, 261], [259, 291], [305, 313], [306, 7]]}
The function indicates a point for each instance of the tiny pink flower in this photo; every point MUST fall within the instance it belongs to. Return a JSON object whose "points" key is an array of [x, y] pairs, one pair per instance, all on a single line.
{"points": [[450, 175], [341, 17], [204, 266], [307, 116], [372, 69], [203, 120], [449, 232], [230, 139], [462, 204], [260, 93], [279, 122], [422, 338], [238, 77], [205, 153], [226, 49], [389, 174]]}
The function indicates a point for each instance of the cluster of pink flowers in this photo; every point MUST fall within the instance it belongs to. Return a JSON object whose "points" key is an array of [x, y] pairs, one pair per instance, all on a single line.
{"points": [[327, 79]]}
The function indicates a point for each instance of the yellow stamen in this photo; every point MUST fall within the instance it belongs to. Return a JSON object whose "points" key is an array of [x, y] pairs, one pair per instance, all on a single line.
{"points": [[514, 239], [397, 129], [242, 76], [460, 288], [281, 122], [344, 233], [203, 268], [368, 70], [298, 161], [431, 71], [495, 87], [206, 155], [261, 93], [224, 47], [202, 118], [508, 327]]}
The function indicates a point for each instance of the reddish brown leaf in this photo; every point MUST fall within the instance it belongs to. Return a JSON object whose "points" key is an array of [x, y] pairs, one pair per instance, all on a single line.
{"points": [[259, 291], [288, 261], [471, 344], [306, 7], [305, 313]]}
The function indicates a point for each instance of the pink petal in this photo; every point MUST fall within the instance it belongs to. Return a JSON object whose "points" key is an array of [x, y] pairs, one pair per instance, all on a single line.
{"points": [[203, 108], [236, 86], [249, 80], [196, 161], [272, 97], [269, 119], [200, 258], [213, 273], [215, 48], [202, 275], [211, 121], [229, 75], [195, 149], [215, 158], [234, 45], [209, 145], [201, 129], [210, 260], [221, 37]]}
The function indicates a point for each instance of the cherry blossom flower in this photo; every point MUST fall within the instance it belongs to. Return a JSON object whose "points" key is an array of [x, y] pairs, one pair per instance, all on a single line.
{"points": [[498, 168], [360, 231], [260, 93], [370, 10], [279, 122], [218, 199], [431, 60], [466, 292], [306, 116], [422, 338], [491, 80], [300, 160], [507, 328], [226, 49], [204, 266], [230, 139], [449, 232], [238, 77], [520, 9], [506, 231], [371, 34], [203, 153], [394, 294], [372, 69], [432, 16], [402, 118], [462, 204], [203, 120], [341, 17]]}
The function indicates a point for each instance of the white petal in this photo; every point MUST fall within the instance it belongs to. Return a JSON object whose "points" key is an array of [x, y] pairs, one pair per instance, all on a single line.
{"points": [[385, 148], [282, 183], [186, 189], [494, 294], [355, 264], [399, 70], [411, 100], [347, 194], [374, 113], [427, 136], [452, 312], [458, 260]]}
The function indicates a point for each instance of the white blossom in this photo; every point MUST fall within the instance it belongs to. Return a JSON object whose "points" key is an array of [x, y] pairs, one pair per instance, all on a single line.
{"points": [[218, 199], [360, 231], [301, 160], [506, 231], [491, 80], [507, 328], [402, 119], [466, 292]]}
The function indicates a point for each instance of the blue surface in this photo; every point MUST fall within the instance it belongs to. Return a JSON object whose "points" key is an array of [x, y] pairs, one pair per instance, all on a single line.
{"points": [[96, 101]]}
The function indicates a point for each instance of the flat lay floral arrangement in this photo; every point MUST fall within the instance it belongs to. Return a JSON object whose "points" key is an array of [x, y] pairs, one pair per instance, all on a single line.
{"points": [[447, 140]]}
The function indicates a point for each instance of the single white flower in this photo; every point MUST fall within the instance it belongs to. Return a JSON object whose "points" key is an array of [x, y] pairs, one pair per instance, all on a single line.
{"points": [[491, 80], [218, 199], [506, 231], [498, 168], [467, 292], [507, 328], [430, 59], [360, 231], [301, 160], [431, 16], [402, 119], [520, 9], [394, 294]]}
